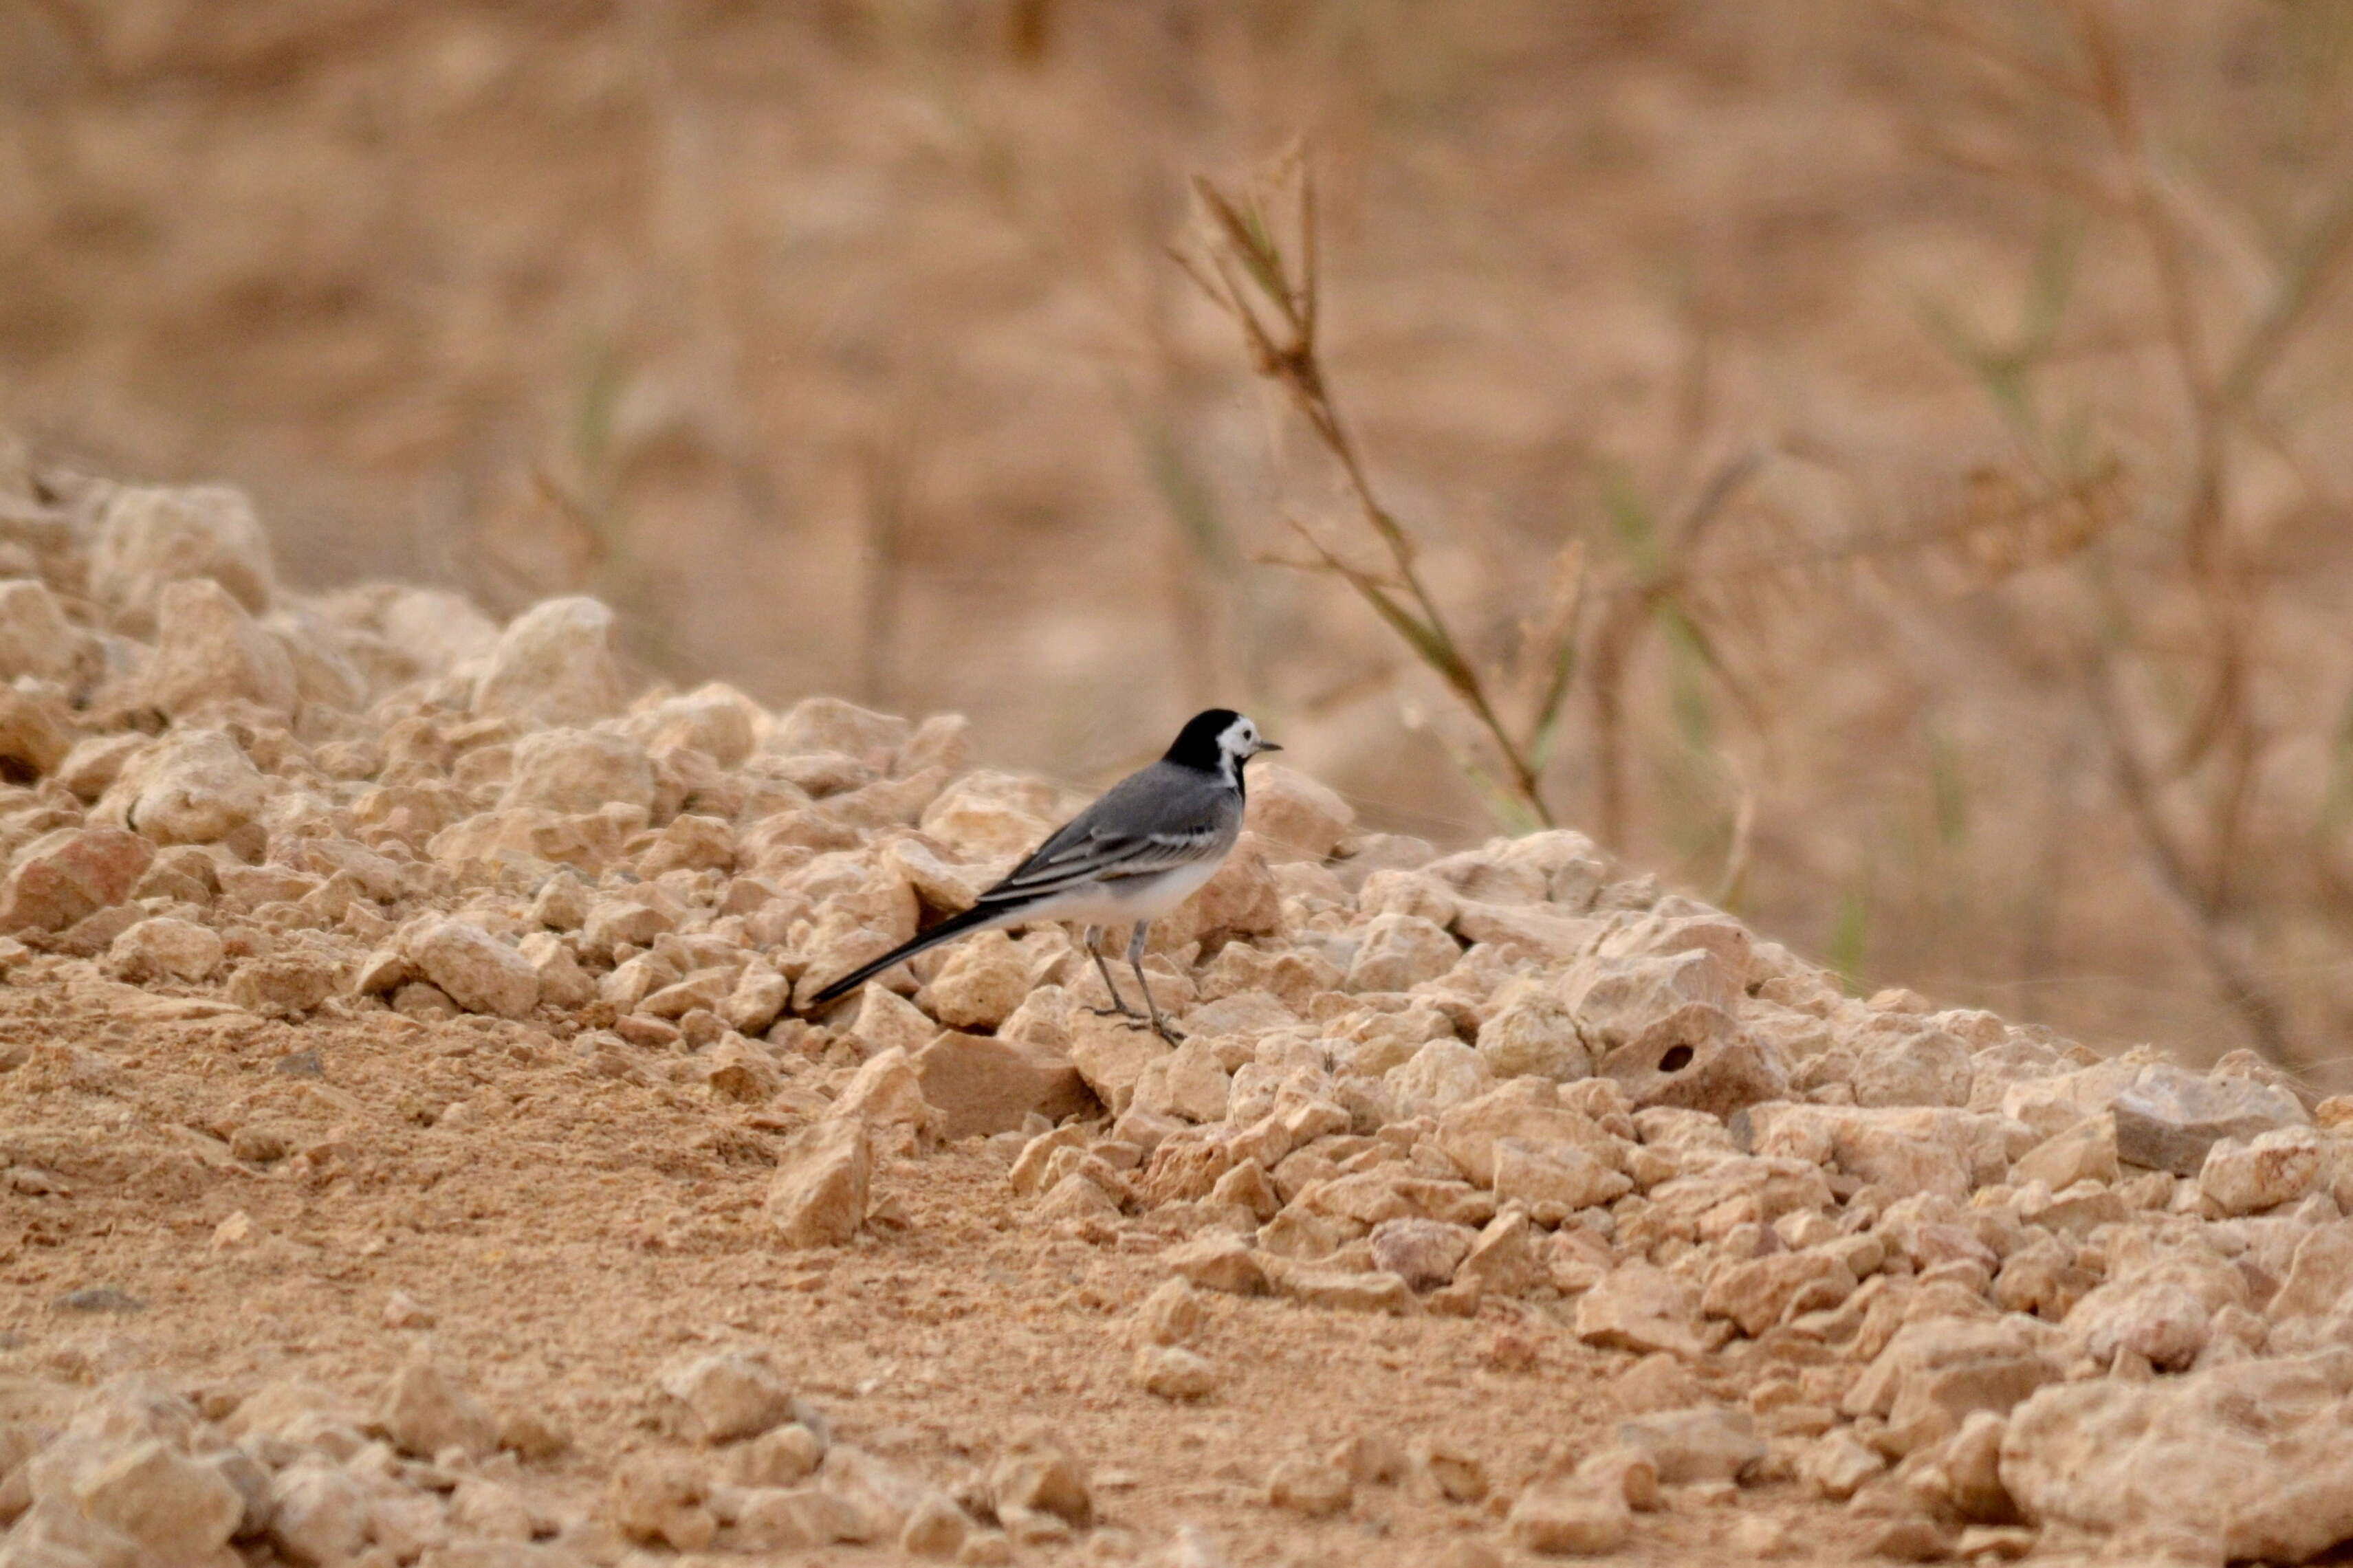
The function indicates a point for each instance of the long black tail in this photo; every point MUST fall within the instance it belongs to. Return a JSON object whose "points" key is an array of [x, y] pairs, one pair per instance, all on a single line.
{"points": [[954, 926]]}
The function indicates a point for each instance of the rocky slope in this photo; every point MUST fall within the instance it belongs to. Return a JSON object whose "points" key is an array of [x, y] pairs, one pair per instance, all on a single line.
{"points": [[418, 1150]]}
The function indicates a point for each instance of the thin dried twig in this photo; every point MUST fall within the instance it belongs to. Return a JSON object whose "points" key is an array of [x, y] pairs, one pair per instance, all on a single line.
{"points": [[1250, 272], [2197, 904], [2215, 752]]}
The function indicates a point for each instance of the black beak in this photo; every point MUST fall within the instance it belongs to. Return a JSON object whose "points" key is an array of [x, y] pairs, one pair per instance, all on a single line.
{"points": [[1266, 746]]}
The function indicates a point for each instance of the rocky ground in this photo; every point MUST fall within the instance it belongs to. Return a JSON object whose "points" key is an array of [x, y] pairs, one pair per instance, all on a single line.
{"points": [[417, 1151]]}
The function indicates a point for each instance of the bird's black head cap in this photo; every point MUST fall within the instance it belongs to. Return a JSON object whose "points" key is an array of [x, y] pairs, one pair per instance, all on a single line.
{"points": [[1218, 740]]}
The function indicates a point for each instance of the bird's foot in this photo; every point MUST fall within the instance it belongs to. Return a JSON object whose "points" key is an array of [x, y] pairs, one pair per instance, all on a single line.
{"points": [[1120, 1010], [1168, 1032]]}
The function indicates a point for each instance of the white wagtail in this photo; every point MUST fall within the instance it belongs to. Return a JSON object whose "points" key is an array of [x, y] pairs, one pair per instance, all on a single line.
{"points": [[1129, 858]]}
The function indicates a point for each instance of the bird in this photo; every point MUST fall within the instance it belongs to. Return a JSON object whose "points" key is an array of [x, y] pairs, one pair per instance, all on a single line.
{"points": [[1142, 848]]}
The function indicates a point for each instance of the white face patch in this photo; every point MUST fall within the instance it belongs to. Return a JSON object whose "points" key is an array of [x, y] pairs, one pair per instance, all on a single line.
{"points": [[1240, 740]]}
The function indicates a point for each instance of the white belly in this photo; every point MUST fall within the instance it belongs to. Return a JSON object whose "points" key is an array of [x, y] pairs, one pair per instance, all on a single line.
{"points": [[1136, 898]]}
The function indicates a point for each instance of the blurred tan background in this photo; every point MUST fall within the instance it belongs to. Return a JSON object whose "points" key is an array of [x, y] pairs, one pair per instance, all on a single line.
{"points": [[1953, 403]]}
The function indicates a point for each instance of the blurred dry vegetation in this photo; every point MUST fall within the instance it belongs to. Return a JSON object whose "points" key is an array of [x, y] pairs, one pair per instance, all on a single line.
{"points": [[1885, 466]]}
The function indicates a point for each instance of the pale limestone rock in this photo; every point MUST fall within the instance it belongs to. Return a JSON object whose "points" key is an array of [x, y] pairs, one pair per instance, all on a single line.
{"points": [[1394, 891], [1458, 1474], [880, 1497], [2277, 1167], [690, 842], [408, 1525], [429, 631], [1904, 1148], [992, 817], [886, 1021], [1187, 1082], [981, 983], [33, 740], [819, 724], [943, 881], [1756, 1293], [886, 1092], [2171, 1119], [1424, 1253], [2159, 1318], [193, 786], [1372, 1458], [1564, 1517], [886, 802], [1534, 930], [611, 922], [424, 1410], [562, 982], [1528, 1108], [779, 1457], [1925, 1066], [2085, 1152], [935, 1528], [720, 1397], [1553, 1181], [1935, 1371], [715, 720], [1173, 1372], [1703, 1443], [1620, 997], [178, 1507], [1039, 1475], [941, 740], [757, 999], [475, 969], [1641, 1307], [1295, 814], [54, 1532], [817, 1196], [2236, 1462], [318, 1514], [1110, 1055], [323, 674], [1172, 1314], [1532, 1032], [209, 652], [1969, 1464], [1505, 1259], [1398, 952], [553, 664], [1838, 1464], [1078, 1204], [1219, 1262], [657, 1500], [70, 873], [163, 947], [578, 771], [149, 537], [1697, 1058], [1308, 1487], [494, 1511], [981, 1085], [93, 765], [35, 639], [855, 926], [2319, 1278], [793, 1519], [1439, 1077], [1657, 1382]]}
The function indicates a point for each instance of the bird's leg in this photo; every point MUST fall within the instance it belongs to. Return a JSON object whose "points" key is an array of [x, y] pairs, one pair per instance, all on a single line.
{"points": [[1118, 1008], [1136, 961]]}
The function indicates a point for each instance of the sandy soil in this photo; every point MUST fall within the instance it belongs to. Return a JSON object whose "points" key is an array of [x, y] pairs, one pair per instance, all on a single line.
{"points": [[566, 1232]]}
